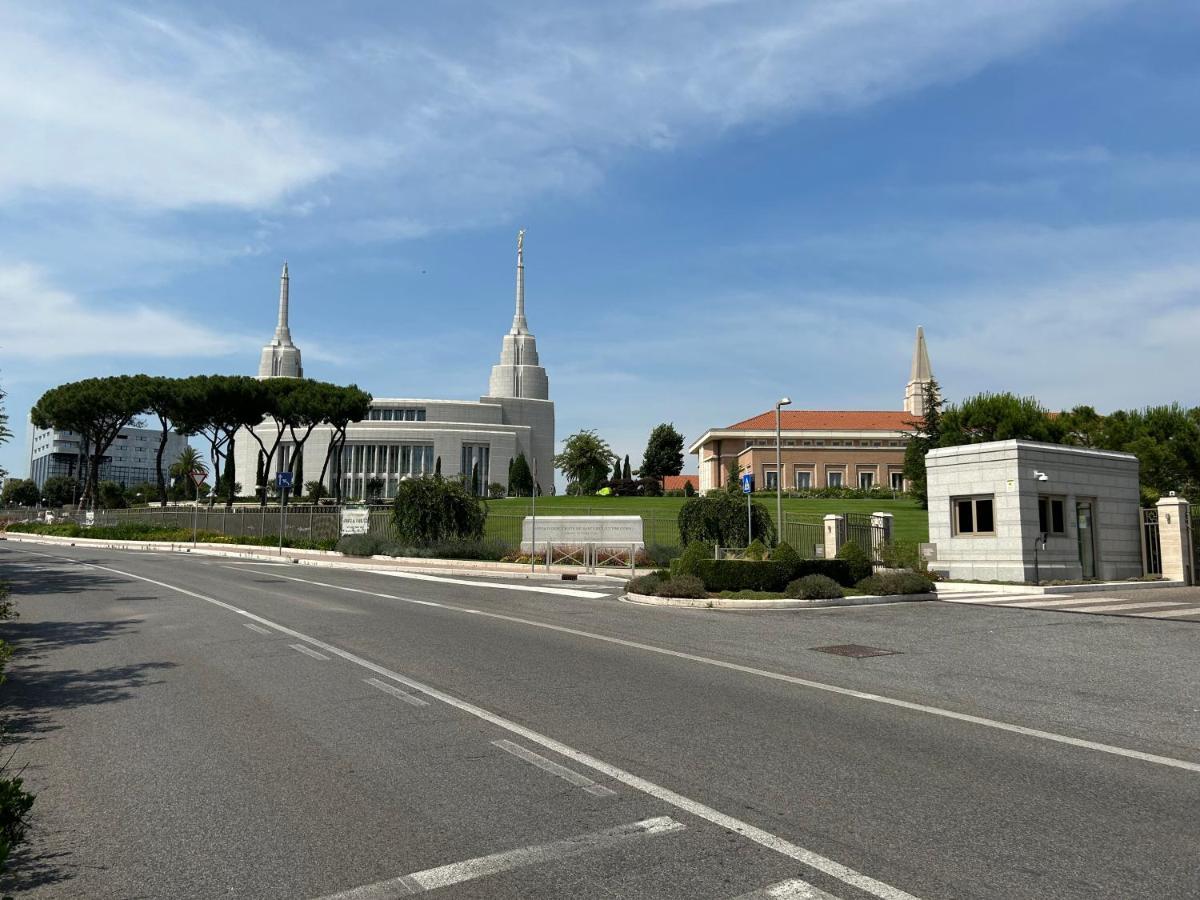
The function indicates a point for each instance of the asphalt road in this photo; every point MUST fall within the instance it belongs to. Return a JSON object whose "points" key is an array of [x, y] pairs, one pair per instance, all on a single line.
{"points": [[197, 727]]}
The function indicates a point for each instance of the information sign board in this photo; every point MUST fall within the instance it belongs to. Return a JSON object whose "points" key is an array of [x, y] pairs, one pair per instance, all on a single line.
{"points": [[611, 532], [356, 521]]}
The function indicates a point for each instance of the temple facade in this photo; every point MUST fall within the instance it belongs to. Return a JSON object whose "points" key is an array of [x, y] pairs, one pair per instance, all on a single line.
{"points": [[404, 437]]}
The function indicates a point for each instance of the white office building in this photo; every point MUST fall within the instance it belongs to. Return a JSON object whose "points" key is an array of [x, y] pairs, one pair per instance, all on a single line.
{"points": [[407, 437], [130, 460]]}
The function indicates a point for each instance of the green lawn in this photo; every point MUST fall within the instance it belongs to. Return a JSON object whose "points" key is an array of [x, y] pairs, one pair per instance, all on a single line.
{"points": [[660, 513]]}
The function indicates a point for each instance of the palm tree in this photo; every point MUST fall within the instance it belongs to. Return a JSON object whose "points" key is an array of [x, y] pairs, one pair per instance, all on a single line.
{"points": [[189, 461]]}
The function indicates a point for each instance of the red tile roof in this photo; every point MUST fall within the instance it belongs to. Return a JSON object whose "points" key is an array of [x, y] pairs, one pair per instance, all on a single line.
{"points": [[676, 482], [828, 420]]}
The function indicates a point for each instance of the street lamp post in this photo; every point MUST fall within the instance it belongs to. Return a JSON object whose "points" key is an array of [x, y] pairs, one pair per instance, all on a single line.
{"points": [[786, 401]]}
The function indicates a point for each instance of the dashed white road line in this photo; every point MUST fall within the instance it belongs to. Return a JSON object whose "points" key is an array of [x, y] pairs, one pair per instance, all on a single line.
{"points": [[395, 692], [1171, 613], [468, 870], [546, 765], [792, 889], [1120, 607], [765, 673], [308, 651], [258, 628], [759, 836]]}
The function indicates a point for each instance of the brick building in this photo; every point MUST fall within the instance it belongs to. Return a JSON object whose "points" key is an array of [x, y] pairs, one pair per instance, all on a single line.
{"points": [[820, 448]]}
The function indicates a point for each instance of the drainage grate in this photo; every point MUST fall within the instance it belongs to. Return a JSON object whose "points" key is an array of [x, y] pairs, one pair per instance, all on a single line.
{"points": [[856, 651]]}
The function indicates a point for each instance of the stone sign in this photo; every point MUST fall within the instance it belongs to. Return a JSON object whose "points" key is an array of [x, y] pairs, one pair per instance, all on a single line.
{"points": [[612, 532], [356, 521]]}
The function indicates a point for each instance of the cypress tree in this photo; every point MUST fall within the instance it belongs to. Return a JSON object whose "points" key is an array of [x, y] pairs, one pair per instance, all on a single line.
{"points": [[616, 473], [627, 474]]}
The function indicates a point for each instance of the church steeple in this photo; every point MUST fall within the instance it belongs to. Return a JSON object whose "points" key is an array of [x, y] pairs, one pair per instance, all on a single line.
{"points": [[281, 358], [518, 373], [920, 375]]}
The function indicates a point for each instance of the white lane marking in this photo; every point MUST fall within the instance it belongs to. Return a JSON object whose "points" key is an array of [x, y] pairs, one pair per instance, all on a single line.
{"points": [[417, 576], [1170, 613], [258, 628], [546, 765], [1119, 607], [395, 691], [308, 651], [456, 873], [500, 586], [666, 795], [779, 676], [792, 889], [1066, 601]]}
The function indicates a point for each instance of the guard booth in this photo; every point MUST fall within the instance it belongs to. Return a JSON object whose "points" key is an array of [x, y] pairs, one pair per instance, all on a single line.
{"points": [[1023, 511]]}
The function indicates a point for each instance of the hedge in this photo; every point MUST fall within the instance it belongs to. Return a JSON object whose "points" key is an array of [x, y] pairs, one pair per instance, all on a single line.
{"points": [[745, 575]]}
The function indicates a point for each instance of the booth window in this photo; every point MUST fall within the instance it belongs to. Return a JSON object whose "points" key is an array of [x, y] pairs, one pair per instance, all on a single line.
{"points": [[1052, 517], [973, 515]]}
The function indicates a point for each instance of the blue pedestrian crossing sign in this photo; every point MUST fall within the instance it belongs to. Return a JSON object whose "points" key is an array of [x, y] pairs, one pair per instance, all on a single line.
{"points": [[748, 483], [283, 480]]}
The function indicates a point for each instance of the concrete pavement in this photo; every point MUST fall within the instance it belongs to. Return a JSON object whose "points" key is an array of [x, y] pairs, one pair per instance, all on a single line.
{"points": [[201, 727]]}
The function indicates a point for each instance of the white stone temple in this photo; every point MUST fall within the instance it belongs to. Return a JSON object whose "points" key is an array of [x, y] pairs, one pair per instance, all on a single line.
{"points": [[407, 437]]}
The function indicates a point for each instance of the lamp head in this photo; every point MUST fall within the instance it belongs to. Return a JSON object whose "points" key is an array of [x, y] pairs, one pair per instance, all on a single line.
{"points": [[786, 401], [1041, 476]]}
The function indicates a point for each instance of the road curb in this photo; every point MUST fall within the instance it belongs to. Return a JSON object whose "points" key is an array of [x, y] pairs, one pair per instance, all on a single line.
{"points": [[326, 559], [730, 603]]}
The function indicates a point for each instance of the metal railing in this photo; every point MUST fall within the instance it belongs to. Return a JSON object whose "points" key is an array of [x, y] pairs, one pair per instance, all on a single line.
{"points": [[590, 557]]}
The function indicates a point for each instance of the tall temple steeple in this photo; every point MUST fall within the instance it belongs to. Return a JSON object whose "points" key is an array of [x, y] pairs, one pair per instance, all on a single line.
{"points": [[519, 325], [920, 375], [281, 358], [518, 373]]}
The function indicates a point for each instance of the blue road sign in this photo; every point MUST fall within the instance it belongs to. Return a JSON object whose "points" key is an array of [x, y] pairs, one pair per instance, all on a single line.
{"points": [[283, 480], [748, 483]]}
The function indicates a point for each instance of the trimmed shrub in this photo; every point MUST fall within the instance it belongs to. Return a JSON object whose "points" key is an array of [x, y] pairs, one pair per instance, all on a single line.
{"points": [[644, 584], [770, 575], [785, 553], [688, 564], [682, 586], [837, 569], [757, 550], [858, 559], [815, 587], [902, 555], [361, 545], [743, 575], [889, 584]]}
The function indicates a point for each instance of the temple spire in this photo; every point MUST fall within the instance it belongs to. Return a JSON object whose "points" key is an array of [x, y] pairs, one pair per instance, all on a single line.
{"points": [[519, 325], [282, 333]]}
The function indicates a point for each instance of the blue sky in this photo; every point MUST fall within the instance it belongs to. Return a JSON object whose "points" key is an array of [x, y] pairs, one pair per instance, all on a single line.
{"points": [[725, 201]]}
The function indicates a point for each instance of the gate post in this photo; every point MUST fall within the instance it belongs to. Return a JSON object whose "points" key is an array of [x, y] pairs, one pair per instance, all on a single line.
{"points": [[881, 532], [835, 532], [1174, 538]]}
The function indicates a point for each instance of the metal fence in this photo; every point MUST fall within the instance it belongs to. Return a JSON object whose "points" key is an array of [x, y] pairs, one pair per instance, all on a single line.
{"points": [[323, 523], [805, 534]]}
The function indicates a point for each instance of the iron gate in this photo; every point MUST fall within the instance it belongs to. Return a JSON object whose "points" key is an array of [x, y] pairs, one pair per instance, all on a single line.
{"points": [[1151, 547]]}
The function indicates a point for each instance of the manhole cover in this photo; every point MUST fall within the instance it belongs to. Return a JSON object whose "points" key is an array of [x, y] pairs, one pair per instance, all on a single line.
{"points": [[857, 651]]}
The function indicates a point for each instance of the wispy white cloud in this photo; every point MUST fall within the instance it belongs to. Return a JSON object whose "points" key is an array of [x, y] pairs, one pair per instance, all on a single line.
{"points": [[462, 121], [136, 110], [43, 322]]}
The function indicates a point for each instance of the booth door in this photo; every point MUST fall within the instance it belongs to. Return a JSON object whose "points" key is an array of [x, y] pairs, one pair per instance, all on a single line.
{"points": [[1087, 539]]}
